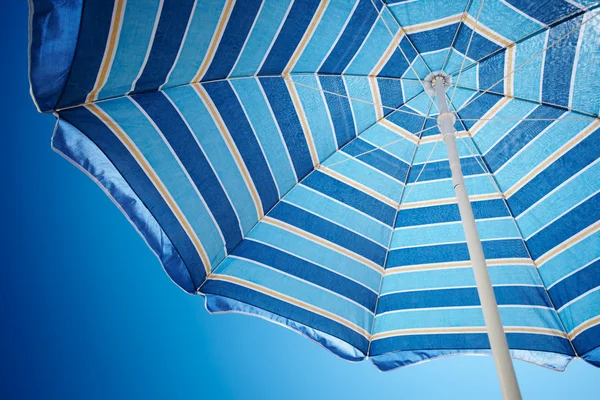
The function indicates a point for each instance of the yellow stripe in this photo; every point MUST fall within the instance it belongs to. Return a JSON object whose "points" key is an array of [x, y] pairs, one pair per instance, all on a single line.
{"points": [[323, 242], [486, 32], [453, 19], [376, 98], [358, 186], [212, 48], [452, 200], [590, 230], [509, 66], [110, 50], [489, 115], [457, 264], [402, 132], [307, 35], [303, 121], [141, 160], [467, 329], [582, 327], [387, 54], [232, 147], [559, 153], [291, 300]]}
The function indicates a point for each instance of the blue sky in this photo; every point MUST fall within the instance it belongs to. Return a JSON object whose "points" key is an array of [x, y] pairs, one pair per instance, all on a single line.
{"points": [[87, 312]]}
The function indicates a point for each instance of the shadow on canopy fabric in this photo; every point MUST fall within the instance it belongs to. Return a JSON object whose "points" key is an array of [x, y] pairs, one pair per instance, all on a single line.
{"points": [[282, 159]]}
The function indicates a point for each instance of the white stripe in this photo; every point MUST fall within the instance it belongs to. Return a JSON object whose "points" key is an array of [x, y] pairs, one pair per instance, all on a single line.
{"points": [[529, 17], [458, 287], [575, 63], [543, 56], [449, 223], [414, 246]]}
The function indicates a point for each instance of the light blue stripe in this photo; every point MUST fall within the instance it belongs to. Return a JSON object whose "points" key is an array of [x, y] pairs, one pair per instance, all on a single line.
{"points": [[569, 260], [315, 110], [503, 20], [266, 130], [200, 33], [424, 235], [445, 190], [580, 311], [419, 104], [585, 96], [467, 317], [297, 289], [411, 88], [371, 178], [155, 150], [364, 113], [324, 36], [528, 77], [560, 201], [316, 253], [417, 12], [134, 39], [435, 59], [372, 50], [203, 126], [379, 135], [263, 33], [455, 277], [539, 150], [334, 211]]}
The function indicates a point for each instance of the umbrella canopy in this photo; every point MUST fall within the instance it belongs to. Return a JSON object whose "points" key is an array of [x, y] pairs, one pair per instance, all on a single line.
{"points": [[283, 159]]}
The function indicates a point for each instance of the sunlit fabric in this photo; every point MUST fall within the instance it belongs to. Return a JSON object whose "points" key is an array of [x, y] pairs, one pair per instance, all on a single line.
{"points": [[282, 159]]}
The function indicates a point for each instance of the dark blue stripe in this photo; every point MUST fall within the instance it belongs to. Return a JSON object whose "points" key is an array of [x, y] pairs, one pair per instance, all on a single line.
{"points": [[365, 15], [479, 106], [566, 226], [579, 157], [182, 141], [291, 33], [510, 248], [522, 134], [398, 64], [587, 341], [552, 10], [470, 341], [93, 33], [441, 169], [378, 159], [233, 39], [351, 196], [106, 141], [462, 297], [406, 120], [491, 73], [286, 310], [307, 271], [434, 39], [575, 285], [449, 213], [318, 226], [558, 65], [289, 124], [480, 46], [234, 117], [167, 40], [339, 109], [391, 93]]}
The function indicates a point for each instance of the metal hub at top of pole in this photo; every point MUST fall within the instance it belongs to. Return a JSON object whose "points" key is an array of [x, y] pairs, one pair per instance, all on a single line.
{"points": [[437, 84]]}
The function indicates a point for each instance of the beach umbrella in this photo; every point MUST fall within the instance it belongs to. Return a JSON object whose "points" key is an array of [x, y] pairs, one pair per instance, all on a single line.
{"points": [[398, 180]]}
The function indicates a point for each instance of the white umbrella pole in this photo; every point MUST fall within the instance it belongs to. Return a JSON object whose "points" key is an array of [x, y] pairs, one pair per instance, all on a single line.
{"points": [[491, 315]]}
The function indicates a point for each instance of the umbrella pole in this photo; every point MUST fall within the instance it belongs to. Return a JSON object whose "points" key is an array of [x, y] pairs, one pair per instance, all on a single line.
{"points": [[491, 315]]}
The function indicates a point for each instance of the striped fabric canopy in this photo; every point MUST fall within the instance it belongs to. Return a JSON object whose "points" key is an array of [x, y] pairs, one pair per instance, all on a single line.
{"points": [[282, 159]]}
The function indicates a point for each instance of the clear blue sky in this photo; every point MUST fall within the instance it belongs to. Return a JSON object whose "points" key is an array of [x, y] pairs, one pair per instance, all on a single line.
{"points": [[87, 312]]}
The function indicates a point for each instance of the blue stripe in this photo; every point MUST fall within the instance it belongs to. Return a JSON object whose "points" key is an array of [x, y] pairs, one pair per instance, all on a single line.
{"points": [[410, 122], [169, 34], [472, 341], [184, 145], [510, 248], [351, 196], [441, 169], [558, 65], [238, 27], [390, 91], [379, 159], [491, 75], [291, 33], [462, 297], [307, 271], [579, 157], [566, 226], [552, 11], [286, 310], [449, 213], [311, 223], [587, 341], [396, 65], [339, 109], [231, 111], [475, 110], [93, 32], [293, 135], [480, 46], [435, 39], [103, 137], [355, 33], [575, 285]]}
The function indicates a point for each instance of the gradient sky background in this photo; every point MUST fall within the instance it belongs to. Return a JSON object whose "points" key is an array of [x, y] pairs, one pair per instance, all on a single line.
{"points": [[86, 310]]}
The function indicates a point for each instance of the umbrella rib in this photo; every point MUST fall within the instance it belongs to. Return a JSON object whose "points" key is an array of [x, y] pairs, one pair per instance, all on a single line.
{"points": [[467, 50], [530, 59], [465, 12]]}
